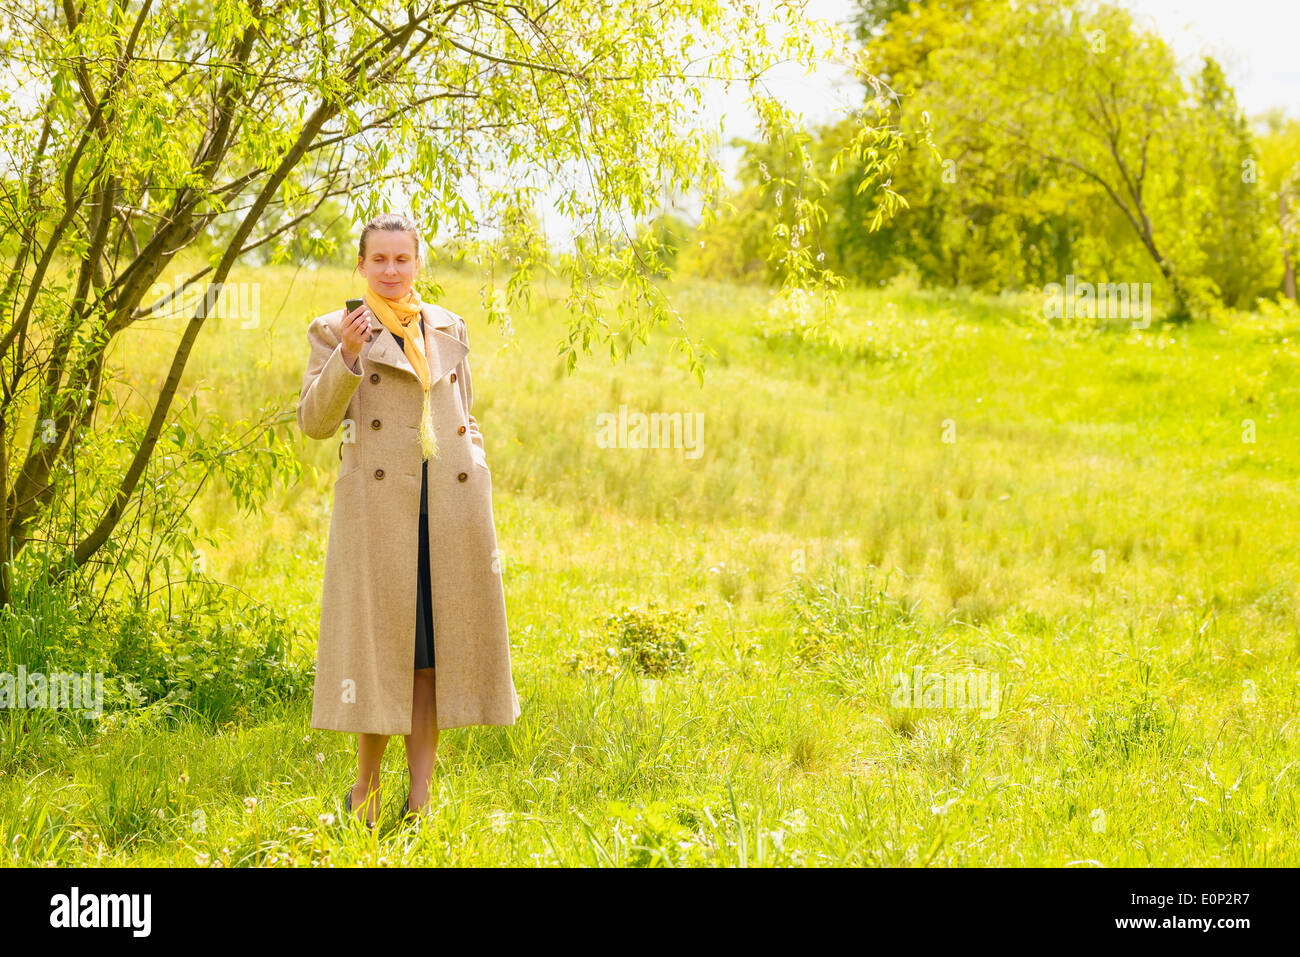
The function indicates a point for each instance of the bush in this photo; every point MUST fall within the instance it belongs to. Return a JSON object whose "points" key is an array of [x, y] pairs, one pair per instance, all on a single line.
{"points": [[651, 641], [214, 654]]}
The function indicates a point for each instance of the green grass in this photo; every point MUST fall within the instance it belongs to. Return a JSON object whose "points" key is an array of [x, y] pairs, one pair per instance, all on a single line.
{"points": [[1097, 534]]}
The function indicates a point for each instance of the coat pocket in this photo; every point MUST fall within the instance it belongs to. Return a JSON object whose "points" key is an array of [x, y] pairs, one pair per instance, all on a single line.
{"points": [[349, 458]]}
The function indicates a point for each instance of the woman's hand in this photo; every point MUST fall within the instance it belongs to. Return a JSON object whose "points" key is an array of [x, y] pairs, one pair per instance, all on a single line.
{"points": [[356, 332]]}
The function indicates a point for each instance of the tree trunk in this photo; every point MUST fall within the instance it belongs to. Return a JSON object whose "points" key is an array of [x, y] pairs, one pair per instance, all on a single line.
{"points": [[1288, 280]]}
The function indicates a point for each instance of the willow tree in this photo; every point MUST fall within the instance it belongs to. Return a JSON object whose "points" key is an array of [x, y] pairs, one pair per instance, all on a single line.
{"points": [[132, 128]]}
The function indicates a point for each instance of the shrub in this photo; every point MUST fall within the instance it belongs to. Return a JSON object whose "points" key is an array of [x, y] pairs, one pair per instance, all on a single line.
{"points": [[651, 641]]}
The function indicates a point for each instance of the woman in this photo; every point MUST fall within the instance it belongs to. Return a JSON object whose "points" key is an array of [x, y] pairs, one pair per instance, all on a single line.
{"points": [[412, 555]]}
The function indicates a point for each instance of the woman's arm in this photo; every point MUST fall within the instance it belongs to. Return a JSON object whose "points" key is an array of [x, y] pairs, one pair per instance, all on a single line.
{"points": [[328, 385], [466, 383]]}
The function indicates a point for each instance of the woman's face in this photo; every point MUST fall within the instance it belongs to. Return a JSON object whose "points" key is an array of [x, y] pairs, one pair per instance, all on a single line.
{"points": [[390, 264]]}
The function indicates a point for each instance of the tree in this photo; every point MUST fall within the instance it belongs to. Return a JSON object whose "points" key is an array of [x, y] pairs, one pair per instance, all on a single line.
{"points": [[1081, 87], [1279, 150], [139, 128], [975, 216], [1233, 223]]}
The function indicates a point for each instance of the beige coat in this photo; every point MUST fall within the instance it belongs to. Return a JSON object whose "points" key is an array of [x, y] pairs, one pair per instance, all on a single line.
{"points": [[365, 662]]}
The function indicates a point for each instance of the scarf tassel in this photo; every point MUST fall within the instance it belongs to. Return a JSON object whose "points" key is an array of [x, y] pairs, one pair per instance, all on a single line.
{"points": [[428, 440]]}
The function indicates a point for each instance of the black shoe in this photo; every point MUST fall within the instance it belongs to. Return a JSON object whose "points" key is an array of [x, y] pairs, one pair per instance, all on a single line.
{"points": [[407, 813], [347, 804]]}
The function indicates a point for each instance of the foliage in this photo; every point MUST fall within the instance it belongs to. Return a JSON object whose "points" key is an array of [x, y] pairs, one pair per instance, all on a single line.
{"points": [[1279, 148], [832, 616], [651, 641], [657, 835], [654, 641], [213, 657]]}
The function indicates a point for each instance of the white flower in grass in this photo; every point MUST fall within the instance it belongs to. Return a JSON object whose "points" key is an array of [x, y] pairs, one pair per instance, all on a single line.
{"points": [[500, 821], [1098, 821], [796, 820], [942, 809], [250, 805]]}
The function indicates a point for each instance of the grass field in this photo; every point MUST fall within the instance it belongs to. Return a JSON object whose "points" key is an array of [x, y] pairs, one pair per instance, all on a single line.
{"points": [[963, 489]]}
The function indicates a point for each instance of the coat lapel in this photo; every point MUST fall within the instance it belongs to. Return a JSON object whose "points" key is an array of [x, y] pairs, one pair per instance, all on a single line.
{"points": [[442, 347]]}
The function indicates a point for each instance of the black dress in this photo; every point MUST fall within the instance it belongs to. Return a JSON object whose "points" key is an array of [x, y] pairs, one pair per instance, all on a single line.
{"points": [[423, 595]]}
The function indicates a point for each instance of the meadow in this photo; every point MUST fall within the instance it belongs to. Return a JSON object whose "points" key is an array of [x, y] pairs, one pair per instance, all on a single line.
{"points": [[707, 649]]}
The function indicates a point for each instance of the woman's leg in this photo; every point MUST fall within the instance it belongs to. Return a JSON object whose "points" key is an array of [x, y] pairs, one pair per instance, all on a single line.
{"points": [[422, 742], [365, 793]]}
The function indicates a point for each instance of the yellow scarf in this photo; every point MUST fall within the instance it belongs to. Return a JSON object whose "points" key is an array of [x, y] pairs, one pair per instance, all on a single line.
{"points": [[397, 315]]}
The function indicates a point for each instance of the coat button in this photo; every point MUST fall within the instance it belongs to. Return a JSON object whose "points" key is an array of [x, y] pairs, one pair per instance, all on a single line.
{"points": [[375, 424], [453, 377], [374, 377], [462, 476], [460, 431], [379, 473]]}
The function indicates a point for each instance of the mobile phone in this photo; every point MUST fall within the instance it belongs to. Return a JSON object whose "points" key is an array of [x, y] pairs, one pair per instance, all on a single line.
{"points": [[351, 304]]}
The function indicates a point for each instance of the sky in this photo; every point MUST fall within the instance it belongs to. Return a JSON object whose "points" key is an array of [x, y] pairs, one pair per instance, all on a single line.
{"points": [[1255, 40]]}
